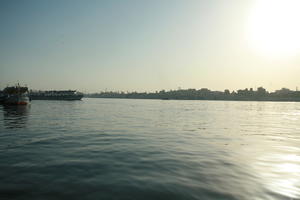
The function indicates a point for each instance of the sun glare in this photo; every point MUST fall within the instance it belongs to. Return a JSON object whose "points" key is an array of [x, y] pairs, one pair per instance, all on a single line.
{"points": [[274, 28]]}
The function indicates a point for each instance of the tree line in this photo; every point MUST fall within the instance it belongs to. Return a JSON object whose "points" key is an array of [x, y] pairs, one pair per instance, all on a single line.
{"points": [[261, 94]]}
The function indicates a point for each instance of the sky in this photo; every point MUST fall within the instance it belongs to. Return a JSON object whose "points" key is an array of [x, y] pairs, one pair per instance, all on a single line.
{"points": [[149, 45]]}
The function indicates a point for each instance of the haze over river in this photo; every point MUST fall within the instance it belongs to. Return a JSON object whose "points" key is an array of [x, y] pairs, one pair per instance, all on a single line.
{"points": [[150, 149]]}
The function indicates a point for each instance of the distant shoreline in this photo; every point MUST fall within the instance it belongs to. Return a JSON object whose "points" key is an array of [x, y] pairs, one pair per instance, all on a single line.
{"points": [[261, 94], [262, 100]]}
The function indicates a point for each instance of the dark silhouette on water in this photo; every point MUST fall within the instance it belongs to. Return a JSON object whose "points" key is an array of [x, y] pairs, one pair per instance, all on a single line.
{"points": [[261, 94], [14, 95]]}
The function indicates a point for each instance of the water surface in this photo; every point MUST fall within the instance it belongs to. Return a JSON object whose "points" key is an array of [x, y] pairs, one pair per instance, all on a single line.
{"points": [[150, 149]]}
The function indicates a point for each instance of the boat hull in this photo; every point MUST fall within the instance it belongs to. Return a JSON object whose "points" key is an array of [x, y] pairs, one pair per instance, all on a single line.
{"points": [[17, 100]]}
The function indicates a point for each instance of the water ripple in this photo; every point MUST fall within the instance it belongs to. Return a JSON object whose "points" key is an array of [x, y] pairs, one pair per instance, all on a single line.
{"points": [[150, 149]]}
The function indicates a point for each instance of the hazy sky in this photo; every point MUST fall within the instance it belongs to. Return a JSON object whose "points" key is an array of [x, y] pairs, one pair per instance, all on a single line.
{"points": [[148, 45]]}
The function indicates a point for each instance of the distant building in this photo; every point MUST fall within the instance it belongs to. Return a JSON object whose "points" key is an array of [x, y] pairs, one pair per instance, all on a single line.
{"points": [[283, 91]]}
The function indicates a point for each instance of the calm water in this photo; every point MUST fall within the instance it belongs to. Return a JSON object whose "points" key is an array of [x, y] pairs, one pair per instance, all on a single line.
{"points": [[150, 149]]}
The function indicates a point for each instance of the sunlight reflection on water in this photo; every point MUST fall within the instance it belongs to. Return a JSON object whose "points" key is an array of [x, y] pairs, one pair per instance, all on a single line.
{"points": [[280, 172]]}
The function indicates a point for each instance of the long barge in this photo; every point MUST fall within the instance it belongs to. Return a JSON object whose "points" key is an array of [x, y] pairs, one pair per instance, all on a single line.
{"points": [[56, 95]]}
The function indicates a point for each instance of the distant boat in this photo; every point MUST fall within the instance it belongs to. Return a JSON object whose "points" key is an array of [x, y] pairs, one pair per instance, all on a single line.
{"points": [[56, 95], [15, 95]]}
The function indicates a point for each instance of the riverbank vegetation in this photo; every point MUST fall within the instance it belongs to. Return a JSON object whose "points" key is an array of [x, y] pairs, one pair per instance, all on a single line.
{"points": [[261, 94]]}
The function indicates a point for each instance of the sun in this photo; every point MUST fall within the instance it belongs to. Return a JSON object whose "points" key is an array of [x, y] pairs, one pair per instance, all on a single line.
{"points": [[274, 28]]}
